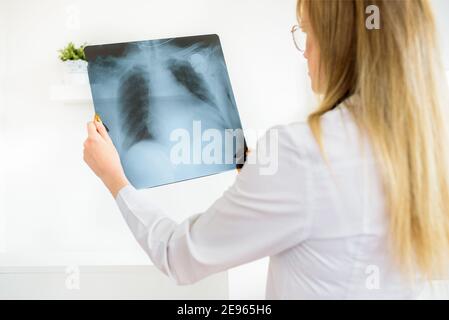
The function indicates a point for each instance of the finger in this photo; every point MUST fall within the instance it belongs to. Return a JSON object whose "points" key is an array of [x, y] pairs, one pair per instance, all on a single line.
{"points": [[91, 129], [102, 130]]}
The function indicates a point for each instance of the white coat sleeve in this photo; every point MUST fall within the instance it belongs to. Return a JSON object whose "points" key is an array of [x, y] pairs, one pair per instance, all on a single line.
{"points": [[263, 213]]}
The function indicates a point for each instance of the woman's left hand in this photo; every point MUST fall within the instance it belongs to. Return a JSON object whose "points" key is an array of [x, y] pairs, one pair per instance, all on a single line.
{"points": [[102, 157]]}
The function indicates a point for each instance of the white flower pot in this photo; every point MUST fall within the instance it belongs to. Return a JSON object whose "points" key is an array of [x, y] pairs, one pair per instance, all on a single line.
{"points": [[75, 72]]}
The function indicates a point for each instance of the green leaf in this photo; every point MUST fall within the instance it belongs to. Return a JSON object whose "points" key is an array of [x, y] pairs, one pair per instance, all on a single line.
{"points": [[71, 52]]}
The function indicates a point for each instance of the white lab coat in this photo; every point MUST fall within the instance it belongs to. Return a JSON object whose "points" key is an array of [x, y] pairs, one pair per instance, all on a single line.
{"points": [[323, 226]]}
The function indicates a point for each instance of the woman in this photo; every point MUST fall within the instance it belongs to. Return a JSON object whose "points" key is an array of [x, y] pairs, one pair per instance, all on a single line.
{"points": [[359, 205]]}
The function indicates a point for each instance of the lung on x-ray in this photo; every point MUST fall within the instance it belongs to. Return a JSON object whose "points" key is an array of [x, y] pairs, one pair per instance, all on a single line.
{"points": [[169, 108]]}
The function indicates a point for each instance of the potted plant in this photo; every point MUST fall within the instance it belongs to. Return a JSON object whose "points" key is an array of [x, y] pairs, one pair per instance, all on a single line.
{"points": [[75, 64]]}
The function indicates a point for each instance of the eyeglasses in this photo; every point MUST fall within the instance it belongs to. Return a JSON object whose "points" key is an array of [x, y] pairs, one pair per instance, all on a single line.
{"points": [[299, 38]]}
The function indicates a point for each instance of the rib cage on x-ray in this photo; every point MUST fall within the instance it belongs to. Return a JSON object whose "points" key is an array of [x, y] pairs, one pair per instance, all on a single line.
{"points": [[134, 97], [144, 90]]}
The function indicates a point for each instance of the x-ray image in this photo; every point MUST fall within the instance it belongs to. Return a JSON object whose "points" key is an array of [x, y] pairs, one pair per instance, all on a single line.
{"points": [[169, 108]]}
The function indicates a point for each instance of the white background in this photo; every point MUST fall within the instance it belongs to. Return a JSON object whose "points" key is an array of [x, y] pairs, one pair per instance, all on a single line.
{"points": [[53, 210]]}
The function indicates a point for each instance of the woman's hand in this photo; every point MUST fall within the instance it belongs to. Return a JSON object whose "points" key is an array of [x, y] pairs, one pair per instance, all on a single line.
{"points": [[102, 157]]}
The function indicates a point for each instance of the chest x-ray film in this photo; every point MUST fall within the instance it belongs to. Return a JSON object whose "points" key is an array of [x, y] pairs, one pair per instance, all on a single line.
{"points": [[169, 108]]}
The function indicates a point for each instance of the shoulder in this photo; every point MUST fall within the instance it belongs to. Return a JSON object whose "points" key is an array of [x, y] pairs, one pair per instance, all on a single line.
{"points": [[339, 134], [293, 138], [294, 144]]}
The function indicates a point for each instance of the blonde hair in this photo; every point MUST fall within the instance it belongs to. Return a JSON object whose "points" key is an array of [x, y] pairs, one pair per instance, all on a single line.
{"points": [[397, 76]]}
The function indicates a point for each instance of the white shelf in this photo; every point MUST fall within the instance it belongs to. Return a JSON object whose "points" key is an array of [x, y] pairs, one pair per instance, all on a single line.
{"points": [[71, 93], [104, 282]]}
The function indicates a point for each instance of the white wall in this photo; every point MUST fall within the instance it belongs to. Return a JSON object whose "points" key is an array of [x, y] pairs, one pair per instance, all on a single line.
{"points": [[441, 10], [54, 210], [2, 131]]}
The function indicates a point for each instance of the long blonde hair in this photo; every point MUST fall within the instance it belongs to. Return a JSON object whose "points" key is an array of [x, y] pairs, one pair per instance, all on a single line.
{"points": [[397, 75]]}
